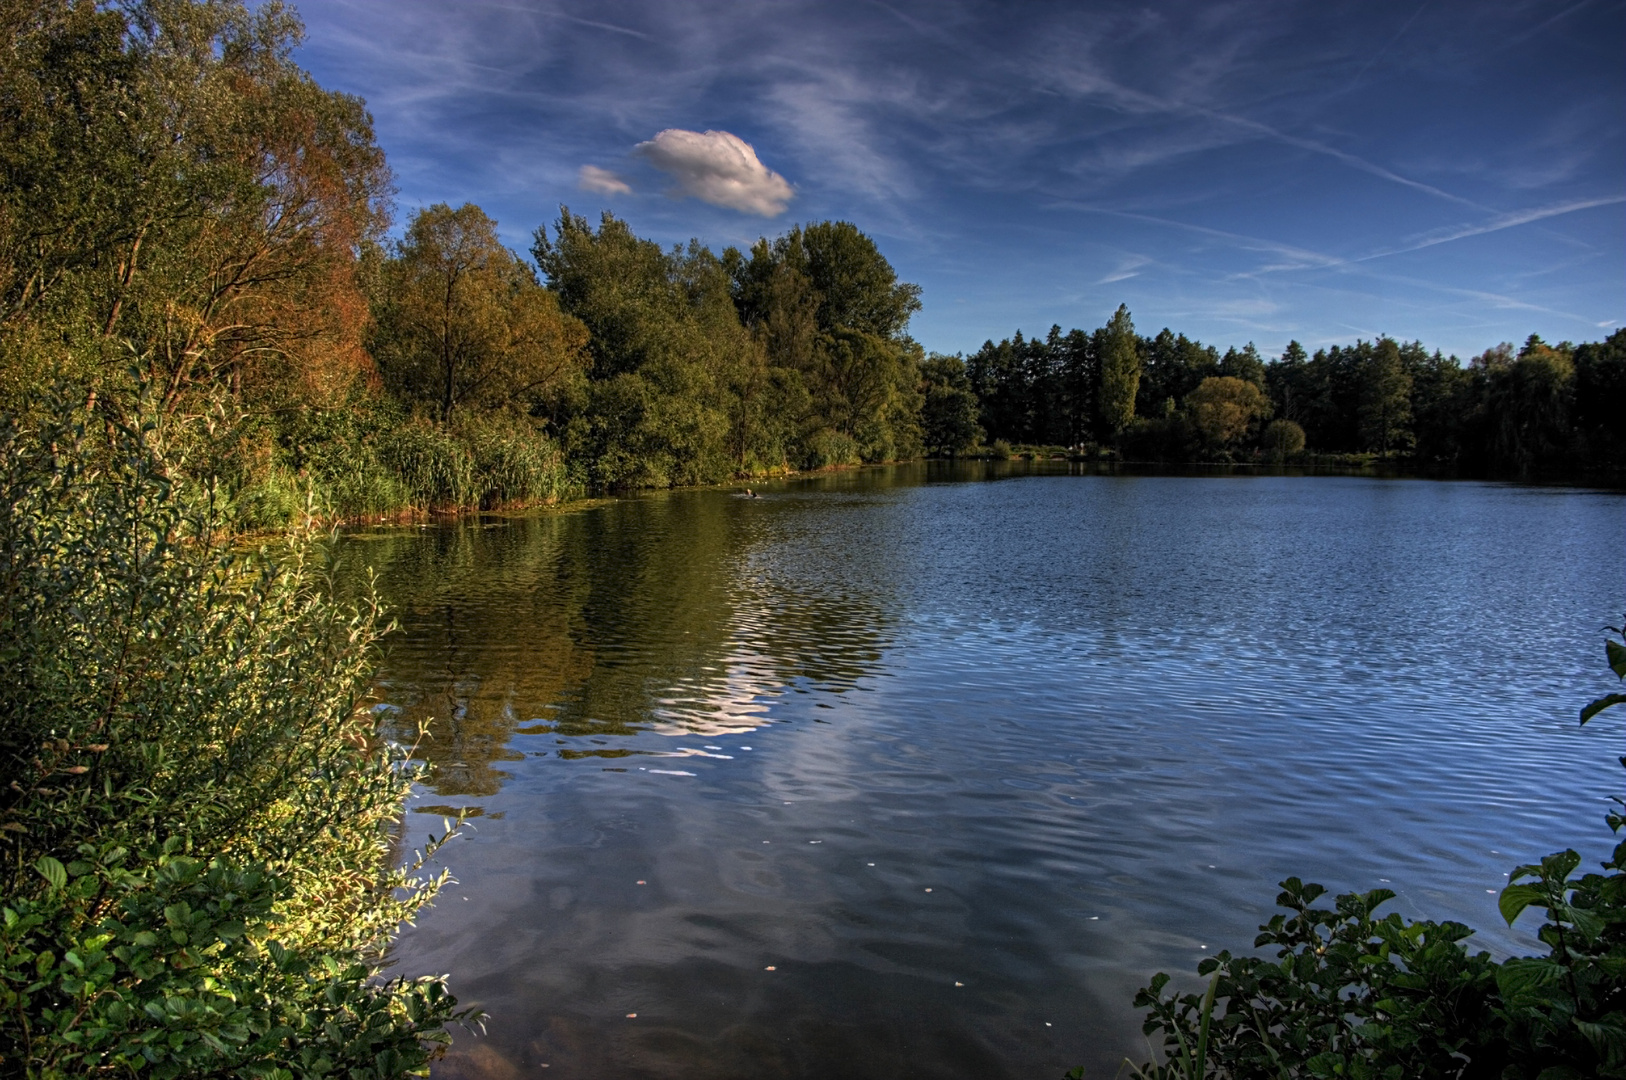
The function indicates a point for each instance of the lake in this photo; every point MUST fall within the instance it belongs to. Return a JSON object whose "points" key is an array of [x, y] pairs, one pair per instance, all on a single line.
{"points": [[923, 771]]}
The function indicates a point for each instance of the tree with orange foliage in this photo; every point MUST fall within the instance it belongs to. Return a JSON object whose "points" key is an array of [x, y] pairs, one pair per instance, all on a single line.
{"points": [[171, 181]]}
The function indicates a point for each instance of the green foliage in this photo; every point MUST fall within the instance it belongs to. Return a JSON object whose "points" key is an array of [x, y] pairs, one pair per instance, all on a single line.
{"points": [[826, 448], [1034, 391], [1347, 994], [1540, 409], [1600, 399], [1119, 379], [1223, 409], [1528, 404], [195, 815], [826, 306], [513, 465], [372, 460], [1350, 994], [706, 368], [1385, 399], [1281, 439], [463, 324], [435, 469], [670, 361], [949, 414], [169, 176]]}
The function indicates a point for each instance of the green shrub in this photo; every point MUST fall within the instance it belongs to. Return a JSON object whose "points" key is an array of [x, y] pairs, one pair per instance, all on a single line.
{"points": [[828, 447], [195, 815], [1281, 439], [336, 452], [1347, 994], [274, 500]]}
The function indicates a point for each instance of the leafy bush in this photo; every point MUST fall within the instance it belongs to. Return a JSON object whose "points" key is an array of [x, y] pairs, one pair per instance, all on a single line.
{"points": [[1352, 995], [336, 452], [1282, 439], [828, 447], [195, 817], [273, 500]]}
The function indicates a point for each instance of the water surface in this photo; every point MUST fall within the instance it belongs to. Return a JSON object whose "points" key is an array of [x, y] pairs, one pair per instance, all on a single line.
{"points": [[923, 771]]}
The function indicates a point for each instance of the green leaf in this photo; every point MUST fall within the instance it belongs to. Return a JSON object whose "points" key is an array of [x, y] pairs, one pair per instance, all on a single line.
{"points": [[1598, 706], [1515, 898], [1559, 865], [1589, 925], [52, 871], [1525, 977], [1617, 657]]}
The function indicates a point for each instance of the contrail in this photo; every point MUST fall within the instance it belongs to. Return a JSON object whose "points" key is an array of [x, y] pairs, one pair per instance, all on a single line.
{"points": [[1497, 224], [1377, 55]]}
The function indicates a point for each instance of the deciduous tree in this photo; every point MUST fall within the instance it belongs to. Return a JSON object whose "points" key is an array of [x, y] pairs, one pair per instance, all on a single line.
{"points": [[1223, 408], [464, 324]]}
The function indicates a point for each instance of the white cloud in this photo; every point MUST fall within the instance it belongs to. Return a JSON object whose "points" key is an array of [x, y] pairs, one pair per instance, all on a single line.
{"points": [[718, 168], [602, 181]]}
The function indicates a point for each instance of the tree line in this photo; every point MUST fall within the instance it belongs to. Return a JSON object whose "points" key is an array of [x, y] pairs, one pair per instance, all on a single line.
{"points": [[186, 215], [188, 219], [1538, 408]]}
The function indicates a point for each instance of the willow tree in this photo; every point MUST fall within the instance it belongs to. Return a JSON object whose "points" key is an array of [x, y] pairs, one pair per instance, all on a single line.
{"points": [[463, 324]]}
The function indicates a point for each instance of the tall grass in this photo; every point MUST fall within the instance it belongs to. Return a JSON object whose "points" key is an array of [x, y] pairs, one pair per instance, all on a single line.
{"points": [[373, 461]]}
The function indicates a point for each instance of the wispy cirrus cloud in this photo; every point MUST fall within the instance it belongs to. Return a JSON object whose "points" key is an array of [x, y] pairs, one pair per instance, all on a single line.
{"points": [[1496, 224], [1308, 140], [1128, 267]]}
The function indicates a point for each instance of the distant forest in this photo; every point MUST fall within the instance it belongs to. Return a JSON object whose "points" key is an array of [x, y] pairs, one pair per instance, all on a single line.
{"points": [[1537, 409], [192, 229]]}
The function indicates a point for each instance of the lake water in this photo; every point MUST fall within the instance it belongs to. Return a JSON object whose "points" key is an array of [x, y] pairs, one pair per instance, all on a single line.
{"points": [[923, 771]]}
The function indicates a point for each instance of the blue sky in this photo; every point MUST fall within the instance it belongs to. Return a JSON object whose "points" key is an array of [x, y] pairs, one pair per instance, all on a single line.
{"points": [[1238, 171]]}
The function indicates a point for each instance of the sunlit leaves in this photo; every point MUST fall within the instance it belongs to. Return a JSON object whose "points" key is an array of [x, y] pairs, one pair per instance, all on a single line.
{"points": [[192, 783], [463, 324]]}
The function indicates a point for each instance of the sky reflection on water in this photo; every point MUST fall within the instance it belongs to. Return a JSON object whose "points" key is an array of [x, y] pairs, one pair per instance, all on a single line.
{"points": [[884, 775]]}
